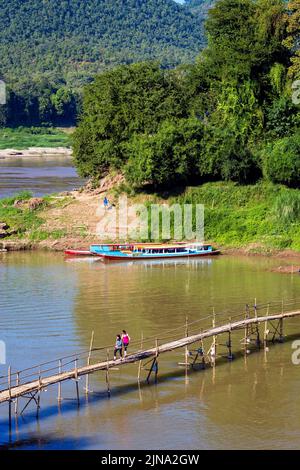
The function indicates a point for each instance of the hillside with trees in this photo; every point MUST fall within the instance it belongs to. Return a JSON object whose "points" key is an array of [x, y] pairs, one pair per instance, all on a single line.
{"points": [[50, 49], [199, 7], [230, 116]]}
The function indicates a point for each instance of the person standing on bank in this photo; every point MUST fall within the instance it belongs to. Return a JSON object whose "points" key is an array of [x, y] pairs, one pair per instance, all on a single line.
{"points": [[118, 347], [125, 341]]}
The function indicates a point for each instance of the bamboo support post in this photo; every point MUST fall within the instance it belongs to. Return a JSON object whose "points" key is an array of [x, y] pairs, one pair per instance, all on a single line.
{"points": [[186, 335], [154, 364], [229, 343], [140, 362], [213, 349], [88, 363], [107, 375], [59, 398], [76, 381], [9, 401], [256, 326], [281, 324], [38, 403], [266, 330], [246, 334], [17, 399], [281, 330]]}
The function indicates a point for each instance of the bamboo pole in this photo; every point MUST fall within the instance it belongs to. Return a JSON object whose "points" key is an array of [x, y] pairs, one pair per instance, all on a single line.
{"points": [[156, 363], [17, 399], [256, 325], [88, 363], [107, 374], [230, 356], [281, 324], [246, 336], [266, 331], [186, 335], [140, 362], [76, 381], [38, 403], [214, 344], [9, 402], [59, 398]]}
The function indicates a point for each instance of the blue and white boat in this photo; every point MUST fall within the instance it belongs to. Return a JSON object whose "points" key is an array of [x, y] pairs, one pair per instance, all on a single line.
{"points": [[144, 251]]}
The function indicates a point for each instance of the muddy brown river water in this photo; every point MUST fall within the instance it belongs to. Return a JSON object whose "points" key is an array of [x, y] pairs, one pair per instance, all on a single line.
{"points": [[49, 307]]}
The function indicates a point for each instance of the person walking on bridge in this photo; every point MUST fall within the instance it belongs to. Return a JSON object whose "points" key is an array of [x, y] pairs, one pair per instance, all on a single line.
{"points": [[125, 341], [118, 347]]}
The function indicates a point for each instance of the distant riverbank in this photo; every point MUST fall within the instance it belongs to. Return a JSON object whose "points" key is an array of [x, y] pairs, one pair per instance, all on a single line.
{"points": [[33, 152], [25, 138]]}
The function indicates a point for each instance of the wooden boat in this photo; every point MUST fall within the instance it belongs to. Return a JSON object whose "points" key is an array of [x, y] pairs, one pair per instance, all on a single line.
{"points": [[162, 251], [78, 253], [101, 249], [97, 250], [107, 248]]}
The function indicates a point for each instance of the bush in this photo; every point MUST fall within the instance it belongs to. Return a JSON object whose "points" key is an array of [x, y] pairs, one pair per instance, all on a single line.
{"points": [[287, 207], [167, 157], [281, 161]]}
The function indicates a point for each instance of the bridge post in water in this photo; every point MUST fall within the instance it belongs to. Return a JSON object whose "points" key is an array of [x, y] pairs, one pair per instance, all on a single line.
{"points": [[59, 398], [88, 363], [266, 330], [76, 382], [107, 374], [229, 343], [140, 362]]}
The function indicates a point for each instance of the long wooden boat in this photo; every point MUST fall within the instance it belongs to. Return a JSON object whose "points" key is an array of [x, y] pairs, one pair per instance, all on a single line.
{"points": [[163, 251], [97, 250], [107, 248], [78, 253]]}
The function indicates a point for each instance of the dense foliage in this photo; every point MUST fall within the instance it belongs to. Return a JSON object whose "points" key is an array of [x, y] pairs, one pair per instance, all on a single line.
{"points": [[49, 49], [230, 116]]}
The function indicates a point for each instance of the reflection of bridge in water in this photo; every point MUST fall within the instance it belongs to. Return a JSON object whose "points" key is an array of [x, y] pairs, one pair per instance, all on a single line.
{"points": [[28, 383]]}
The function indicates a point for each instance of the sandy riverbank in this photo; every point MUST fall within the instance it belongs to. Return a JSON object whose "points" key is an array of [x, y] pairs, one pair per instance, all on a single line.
{"points": [[36, 152]]}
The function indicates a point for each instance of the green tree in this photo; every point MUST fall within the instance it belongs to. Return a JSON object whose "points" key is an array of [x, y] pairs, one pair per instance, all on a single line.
{"points": [[126, 101], [167, 157]]}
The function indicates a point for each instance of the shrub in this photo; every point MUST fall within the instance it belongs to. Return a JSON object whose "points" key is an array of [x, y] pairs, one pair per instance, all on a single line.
{"points": [[281, 160]]}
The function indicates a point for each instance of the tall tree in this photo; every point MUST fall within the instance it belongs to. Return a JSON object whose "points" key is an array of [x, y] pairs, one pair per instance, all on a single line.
{"points": [[293, 39]]}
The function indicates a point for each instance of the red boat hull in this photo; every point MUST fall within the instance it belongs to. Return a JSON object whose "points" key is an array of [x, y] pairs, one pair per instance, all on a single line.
{"points": [[78, 253]]}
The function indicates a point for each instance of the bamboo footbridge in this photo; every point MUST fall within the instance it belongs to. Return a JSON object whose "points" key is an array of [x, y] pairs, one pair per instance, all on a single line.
{"points": [[29, 383]]}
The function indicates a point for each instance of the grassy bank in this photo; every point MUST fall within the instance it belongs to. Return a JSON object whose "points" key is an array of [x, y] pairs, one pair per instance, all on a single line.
{"points": [[23, 137], [264, 216], [26, 222]]}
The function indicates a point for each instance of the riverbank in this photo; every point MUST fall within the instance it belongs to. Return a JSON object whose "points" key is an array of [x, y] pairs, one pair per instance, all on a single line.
{"points": [[251, 220], [26, 138], [35, 152]]}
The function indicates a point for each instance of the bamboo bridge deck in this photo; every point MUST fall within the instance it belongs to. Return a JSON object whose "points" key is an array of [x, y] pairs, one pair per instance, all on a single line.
{"points": [[18, 387]]}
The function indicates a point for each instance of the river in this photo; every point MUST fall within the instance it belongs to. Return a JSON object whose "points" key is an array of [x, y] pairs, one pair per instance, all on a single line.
{"points": [[49, 306], [38, 175]]}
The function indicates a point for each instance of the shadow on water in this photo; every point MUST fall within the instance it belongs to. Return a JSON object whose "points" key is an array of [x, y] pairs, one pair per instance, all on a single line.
{"points": [[69, 404], [47, 442]]}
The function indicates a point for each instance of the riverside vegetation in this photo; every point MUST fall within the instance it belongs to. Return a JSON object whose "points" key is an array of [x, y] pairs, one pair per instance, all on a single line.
{"points": [[223, 132], [23, 137]]}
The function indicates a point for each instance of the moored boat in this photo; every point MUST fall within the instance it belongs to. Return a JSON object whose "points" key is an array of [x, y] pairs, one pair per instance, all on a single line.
{"points": [[97, 250], [78, 253], [144, 251]]}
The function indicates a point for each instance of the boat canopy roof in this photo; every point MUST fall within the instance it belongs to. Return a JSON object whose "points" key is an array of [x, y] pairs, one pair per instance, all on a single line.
{"points": [[166, 245]]}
